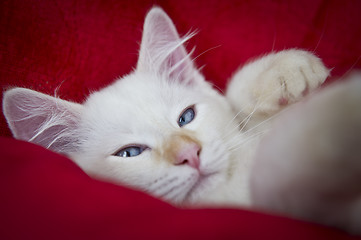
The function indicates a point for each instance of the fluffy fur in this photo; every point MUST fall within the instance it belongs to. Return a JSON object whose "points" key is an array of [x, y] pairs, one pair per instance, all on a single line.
{"points": [[215, 158]]}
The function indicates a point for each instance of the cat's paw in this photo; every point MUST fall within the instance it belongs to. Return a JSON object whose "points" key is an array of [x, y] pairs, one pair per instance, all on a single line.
{"points": [[289, 76], [265, 86]]}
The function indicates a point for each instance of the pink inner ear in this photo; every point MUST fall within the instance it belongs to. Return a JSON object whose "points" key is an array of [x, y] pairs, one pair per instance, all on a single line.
{"points": [[42, 119], [180, 66], [26, 129], [162, 50]]}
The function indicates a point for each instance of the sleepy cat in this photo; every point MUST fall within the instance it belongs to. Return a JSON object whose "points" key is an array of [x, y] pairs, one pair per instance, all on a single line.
{"points": [[164, 130]]}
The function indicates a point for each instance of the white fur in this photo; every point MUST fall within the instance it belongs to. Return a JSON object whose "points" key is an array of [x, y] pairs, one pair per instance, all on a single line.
{"points": [[257, 88], [143, 108]]}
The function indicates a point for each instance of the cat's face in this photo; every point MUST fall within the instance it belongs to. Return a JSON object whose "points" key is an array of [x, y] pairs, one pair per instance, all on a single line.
{"points": [[157, 135], [161, 129]]}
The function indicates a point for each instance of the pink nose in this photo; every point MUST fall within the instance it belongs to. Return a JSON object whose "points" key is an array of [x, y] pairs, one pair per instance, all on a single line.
{"points": [[189, 154]]}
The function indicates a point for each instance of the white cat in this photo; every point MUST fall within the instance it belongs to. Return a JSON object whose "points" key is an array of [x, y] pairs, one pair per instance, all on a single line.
{"points": [[164, 130]]}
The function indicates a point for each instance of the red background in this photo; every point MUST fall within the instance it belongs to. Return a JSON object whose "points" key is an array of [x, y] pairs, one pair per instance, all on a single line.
{"points": [[78, 46]]}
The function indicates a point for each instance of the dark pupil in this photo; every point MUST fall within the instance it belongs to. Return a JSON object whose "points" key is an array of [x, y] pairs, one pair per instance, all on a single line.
{"points": [[126, 154], [182, 119]]}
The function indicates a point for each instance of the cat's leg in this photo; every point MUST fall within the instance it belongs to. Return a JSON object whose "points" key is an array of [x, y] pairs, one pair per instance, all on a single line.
{"points": [[309, 166], [263, 87]]}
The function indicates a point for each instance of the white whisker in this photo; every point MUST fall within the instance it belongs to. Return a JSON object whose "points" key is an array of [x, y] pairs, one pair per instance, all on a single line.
{"points": [[215, 86], [267, 120], [352, 67], [321, 37], [246, 140], [209, 49], [247, 118]]}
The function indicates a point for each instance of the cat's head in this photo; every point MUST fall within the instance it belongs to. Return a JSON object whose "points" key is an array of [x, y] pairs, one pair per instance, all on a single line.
{"points": [[161, 129]]}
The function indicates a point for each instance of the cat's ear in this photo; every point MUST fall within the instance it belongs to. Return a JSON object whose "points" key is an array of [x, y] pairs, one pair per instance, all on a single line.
{"points": [[162, 49], [42, 119]]}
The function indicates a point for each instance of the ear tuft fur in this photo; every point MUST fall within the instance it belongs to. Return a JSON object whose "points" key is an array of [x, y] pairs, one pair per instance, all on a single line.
{"points": [[162, 50], [42, 119]]}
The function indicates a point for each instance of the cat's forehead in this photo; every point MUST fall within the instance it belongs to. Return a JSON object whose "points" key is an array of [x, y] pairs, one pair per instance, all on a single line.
{"points": [[142, 88], [140, 99]]}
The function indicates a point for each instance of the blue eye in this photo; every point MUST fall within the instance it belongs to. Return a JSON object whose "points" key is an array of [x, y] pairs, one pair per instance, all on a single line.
{"points": [[186, 117], [131, 151]]}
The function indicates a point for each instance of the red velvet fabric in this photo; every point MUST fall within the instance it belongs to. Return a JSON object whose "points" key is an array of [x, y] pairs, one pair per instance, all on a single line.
{"points": [[76, 46], [46, 196]]}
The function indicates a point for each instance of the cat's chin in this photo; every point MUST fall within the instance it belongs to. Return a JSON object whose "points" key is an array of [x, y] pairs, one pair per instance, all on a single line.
{"points": [[195, 193], [204, 183]]}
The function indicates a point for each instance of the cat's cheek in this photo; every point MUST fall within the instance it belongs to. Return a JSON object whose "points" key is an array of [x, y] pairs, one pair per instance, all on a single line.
{"points": [[124, 171], [154, 176]]}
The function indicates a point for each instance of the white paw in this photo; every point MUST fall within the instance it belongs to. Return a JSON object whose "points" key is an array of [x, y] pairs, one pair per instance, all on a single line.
{"points": [[288, 76]]}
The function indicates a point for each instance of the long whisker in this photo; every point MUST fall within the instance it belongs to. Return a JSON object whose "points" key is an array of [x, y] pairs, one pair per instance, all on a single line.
{"points": [[209, 49], [274, 41], [352, 67], [246, 140], [267, 120], [215, 86], [247, 118], [321, 36], [256, 134], [188, 56], [233, 119]]}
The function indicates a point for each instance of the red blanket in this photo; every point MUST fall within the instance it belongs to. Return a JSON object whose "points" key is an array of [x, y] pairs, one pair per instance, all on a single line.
{"points": [[74, 47]]}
